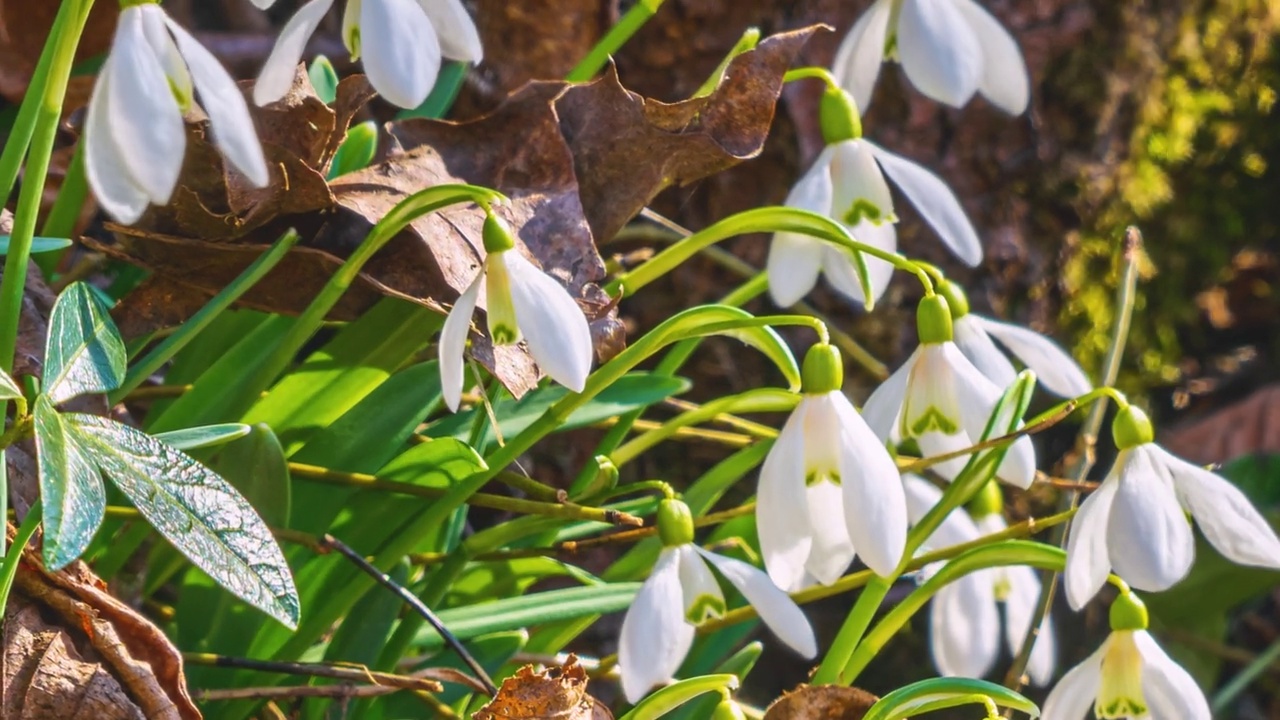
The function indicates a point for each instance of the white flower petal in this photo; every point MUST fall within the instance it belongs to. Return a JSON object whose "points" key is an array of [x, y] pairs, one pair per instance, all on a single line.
{"points": [[655, 637], [108, 175], [972, 339], [776, 608], [1170, 690], [859, 190], [875, 508], [939, 51], [223, 102], [934, 413], [146, 121], [1151, 543], [964, 627], [175, 68], [832, 551], [795, 260], [277, 72], [1004, 73], [883, 409], [861, 53], [781, 512], [1088, 557], [459, 39], [453, 343], [551, 322], [1226, 517], [702, 597], [934, 201], [264, 4], [978, 398], [921, 496], [1076, 692], [1020, 607], [843, 274], [399, 50], [1060, 373]]}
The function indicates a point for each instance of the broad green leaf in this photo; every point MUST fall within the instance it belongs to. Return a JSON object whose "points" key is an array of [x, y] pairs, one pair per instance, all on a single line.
{"points": [[666, 699], [71, 489], [528, 610], [38, 245], [203, 436], [631, 391], [9, 389], [356, 151], [84, 352], [324, 79], [255, 465], [201, 514]]}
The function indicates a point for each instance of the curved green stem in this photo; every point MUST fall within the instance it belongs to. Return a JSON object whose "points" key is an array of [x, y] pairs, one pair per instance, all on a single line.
{"points": [[811, 73], [618, 35]]}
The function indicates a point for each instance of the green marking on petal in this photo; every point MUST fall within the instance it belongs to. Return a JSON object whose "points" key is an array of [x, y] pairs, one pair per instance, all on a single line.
{"points": [[863, 209], [932, 419], [184, 98], [1122, 708], [504, 335], [820, 477], [704, 608]]}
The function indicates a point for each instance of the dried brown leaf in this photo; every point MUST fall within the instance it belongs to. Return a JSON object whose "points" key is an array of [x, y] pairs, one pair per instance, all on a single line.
{"points": [[24, 26], [556, 693], [821, 702]]}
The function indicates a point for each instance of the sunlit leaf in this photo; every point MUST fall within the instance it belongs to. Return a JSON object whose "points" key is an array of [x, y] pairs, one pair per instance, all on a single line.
{"points": [[74, 499], [198, 512], [203, 436], [38, 245], [84, 353]]}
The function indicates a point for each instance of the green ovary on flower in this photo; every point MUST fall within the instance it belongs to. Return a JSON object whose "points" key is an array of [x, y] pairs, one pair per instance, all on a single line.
{"points": [[933, 320], [1128, 613], [956, 299], [838, 116], [1120, 692], [1131, 428], [823, 370], [675, 524]]}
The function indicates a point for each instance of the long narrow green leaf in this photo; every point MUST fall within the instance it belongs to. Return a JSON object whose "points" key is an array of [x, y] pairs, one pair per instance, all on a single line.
{"points": [[203, 436]]}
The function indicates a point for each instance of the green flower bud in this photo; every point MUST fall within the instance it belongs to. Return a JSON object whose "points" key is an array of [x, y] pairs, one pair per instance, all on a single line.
{"points": [[933, 320], [988, 501], [1131, 428], [1128, 613], [675, 523], [956, 298], [497, 236], [823, 370], [728, 710], [838, 115]]}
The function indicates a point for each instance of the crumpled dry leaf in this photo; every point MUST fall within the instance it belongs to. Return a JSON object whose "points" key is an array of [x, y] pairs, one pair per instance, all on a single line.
{"points": [[556, 693], [821, 702]]}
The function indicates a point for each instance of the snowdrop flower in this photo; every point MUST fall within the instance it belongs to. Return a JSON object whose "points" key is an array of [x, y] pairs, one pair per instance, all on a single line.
{"points": [[950, 49], [964, 622], [401, 43], [1135, 522], [682, 593], [521, 301], [828, 489], [974, 336], [1128, 677], [134, 135], [847, 183], [943, 402]]}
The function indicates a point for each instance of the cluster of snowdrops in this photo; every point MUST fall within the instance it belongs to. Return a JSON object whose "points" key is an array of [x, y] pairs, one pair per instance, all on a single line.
{"points": [[830, 489]]}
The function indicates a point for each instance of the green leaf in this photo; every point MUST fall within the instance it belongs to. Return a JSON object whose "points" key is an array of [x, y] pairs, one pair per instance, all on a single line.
{"points": [[255, 465], [84, 352], [71, 489], [635, 390], [38, 245], [198, 512], [445, 91], [324, 79], [940, 693], [203, 436], [9, 389], [735, 323], [528, 610], [674, 695], [356, 151]]}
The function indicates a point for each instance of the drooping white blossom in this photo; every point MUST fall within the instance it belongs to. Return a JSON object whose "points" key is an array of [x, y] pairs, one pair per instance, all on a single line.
{"points": [[681, 593], [1135, 523], [949, 49], [134, 135], [965, 630], [847, 183], [939, 399], [521, 301], [399, 42], [1130, 676]]}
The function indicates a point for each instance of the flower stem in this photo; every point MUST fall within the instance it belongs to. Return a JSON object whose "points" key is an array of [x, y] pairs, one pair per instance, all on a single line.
{"points": [[618, 35], [59, 52], [1131, 251]]}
